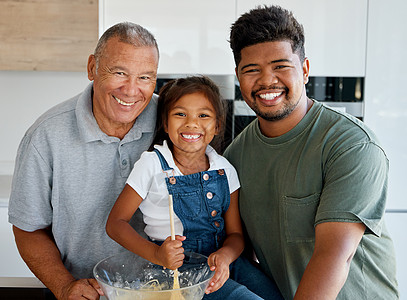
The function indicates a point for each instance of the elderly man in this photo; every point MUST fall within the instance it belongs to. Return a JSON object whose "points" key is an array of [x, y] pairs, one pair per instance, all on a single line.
{"points": [[74, 160]]}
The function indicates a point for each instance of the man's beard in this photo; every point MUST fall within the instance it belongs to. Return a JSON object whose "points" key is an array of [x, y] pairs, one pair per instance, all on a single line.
{"points": [[273, 116]]}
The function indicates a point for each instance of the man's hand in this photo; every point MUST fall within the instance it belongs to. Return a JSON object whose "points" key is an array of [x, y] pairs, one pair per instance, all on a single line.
{"points": [[81, 289], [42, 256]]}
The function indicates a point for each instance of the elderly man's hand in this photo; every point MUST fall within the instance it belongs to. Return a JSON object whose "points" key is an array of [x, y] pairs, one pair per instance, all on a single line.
{"points": [[81, 289]]}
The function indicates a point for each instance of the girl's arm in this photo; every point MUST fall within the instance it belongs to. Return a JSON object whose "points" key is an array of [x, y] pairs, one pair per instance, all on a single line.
{"points": [[233, 246], [169, 254]]}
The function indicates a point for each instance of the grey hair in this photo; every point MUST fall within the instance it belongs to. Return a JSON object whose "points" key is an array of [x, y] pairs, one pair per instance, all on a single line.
{"points": [[127, 32]]}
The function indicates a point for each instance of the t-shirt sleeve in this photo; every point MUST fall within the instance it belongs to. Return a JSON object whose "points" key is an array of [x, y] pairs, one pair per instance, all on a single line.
{"points": [[30, 205], [144, 169], [355, 187]]}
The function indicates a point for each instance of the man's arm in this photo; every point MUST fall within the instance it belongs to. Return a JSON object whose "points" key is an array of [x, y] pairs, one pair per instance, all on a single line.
{"points": [[328, 268], [42, 256]]}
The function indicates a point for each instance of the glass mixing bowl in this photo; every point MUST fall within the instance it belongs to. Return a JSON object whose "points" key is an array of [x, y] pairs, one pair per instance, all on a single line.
{"points": [[129, 276]]}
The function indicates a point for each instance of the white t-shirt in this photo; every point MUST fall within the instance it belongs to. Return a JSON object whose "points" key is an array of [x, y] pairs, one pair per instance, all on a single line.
{"points": [[148, 179]]}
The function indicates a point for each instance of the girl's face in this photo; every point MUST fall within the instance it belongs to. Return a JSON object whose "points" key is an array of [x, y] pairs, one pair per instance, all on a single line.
{"points": [[191, 123]]}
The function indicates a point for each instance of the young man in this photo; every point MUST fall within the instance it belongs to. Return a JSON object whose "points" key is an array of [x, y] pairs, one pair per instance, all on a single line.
{"points": [[73, 163], [313, 180]]}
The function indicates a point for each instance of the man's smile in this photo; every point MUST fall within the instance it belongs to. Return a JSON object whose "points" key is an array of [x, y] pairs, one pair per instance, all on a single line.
{"points": [[269, 96], [123, 102]]}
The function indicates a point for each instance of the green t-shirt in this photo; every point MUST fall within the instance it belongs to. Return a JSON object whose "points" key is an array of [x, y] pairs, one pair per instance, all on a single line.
{"points": [[329, 168]]}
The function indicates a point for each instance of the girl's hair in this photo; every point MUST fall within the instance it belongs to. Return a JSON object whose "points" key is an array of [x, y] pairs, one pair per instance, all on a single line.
{"points": [[173, 90]]}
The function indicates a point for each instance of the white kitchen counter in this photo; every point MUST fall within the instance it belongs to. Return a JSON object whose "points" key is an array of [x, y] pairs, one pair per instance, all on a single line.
{"points": [[19, 282]]}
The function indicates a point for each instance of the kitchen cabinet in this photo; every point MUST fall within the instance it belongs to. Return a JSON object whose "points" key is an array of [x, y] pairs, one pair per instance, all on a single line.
{"points": [[192, 35], [11, 263], [335, 33], [55, 35], [385, 96], [386, 112]]}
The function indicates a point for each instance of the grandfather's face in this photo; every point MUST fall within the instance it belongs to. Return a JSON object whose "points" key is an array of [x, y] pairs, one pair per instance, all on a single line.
{"points": [[272, 79], [124, 82]]}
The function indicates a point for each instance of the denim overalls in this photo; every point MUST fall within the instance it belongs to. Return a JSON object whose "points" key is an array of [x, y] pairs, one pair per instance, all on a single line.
{"points": [[200, 201]]}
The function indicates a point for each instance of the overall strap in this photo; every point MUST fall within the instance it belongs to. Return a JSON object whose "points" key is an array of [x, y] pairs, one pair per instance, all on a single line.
{"points": [[164, 164]]}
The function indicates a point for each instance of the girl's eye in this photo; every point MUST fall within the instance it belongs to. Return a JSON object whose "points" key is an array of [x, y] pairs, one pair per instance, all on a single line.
{"points": [[203, 116], [180, 114]]}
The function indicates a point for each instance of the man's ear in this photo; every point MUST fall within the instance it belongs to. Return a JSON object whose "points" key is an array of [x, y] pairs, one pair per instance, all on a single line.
{"points": [[305, 70], [91, 67]]}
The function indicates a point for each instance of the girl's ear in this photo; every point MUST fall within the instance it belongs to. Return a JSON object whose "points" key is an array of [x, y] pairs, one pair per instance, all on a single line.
{"points": [[217, 128]]}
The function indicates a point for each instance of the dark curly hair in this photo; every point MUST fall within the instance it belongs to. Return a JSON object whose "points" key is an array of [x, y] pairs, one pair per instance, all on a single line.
{"points": [[266, 24], [174, 90]]}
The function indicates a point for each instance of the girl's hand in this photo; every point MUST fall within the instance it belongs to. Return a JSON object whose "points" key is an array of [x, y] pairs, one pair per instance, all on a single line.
{"points": [[171, 253], [220, 264]]}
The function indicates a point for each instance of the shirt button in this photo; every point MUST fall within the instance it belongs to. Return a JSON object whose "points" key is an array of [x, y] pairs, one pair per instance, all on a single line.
{"points": [[209, 195], [205, 176], [217, 224], [221, 172], [214, 213], [124, 162]]}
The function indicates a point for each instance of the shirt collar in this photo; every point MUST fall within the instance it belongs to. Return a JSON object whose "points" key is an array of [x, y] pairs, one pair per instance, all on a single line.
{"points": [[215, 160]]}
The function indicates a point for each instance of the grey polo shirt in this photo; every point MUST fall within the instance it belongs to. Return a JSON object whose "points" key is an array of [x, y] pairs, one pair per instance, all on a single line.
{"points": [[68, 175]]}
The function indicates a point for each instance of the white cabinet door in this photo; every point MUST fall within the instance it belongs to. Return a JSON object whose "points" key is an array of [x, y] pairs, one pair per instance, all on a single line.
{"points": [[192, 35], [11, 263], [335, 33], [385, 96]]}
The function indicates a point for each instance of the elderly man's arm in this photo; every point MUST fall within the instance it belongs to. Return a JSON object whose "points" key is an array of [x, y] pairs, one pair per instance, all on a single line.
{"points": [[326, 272], [42, 256]]}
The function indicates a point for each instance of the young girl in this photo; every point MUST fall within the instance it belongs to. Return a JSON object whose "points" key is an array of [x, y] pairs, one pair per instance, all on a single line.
{"points": [[204, 186]]}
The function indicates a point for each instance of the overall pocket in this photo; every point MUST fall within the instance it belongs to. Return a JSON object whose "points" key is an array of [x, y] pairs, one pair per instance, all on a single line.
{"points": [[190, 204]]}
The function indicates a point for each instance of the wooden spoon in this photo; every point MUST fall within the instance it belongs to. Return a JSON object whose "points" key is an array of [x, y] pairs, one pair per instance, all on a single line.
{"points": [[176, 295]]}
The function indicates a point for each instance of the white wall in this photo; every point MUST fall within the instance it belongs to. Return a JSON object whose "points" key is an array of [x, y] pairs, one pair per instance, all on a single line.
{"points": [[24, 97]]}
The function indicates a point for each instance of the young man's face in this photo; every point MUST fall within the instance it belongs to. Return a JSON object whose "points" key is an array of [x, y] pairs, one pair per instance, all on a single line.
{"points": [[272, 79]]}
